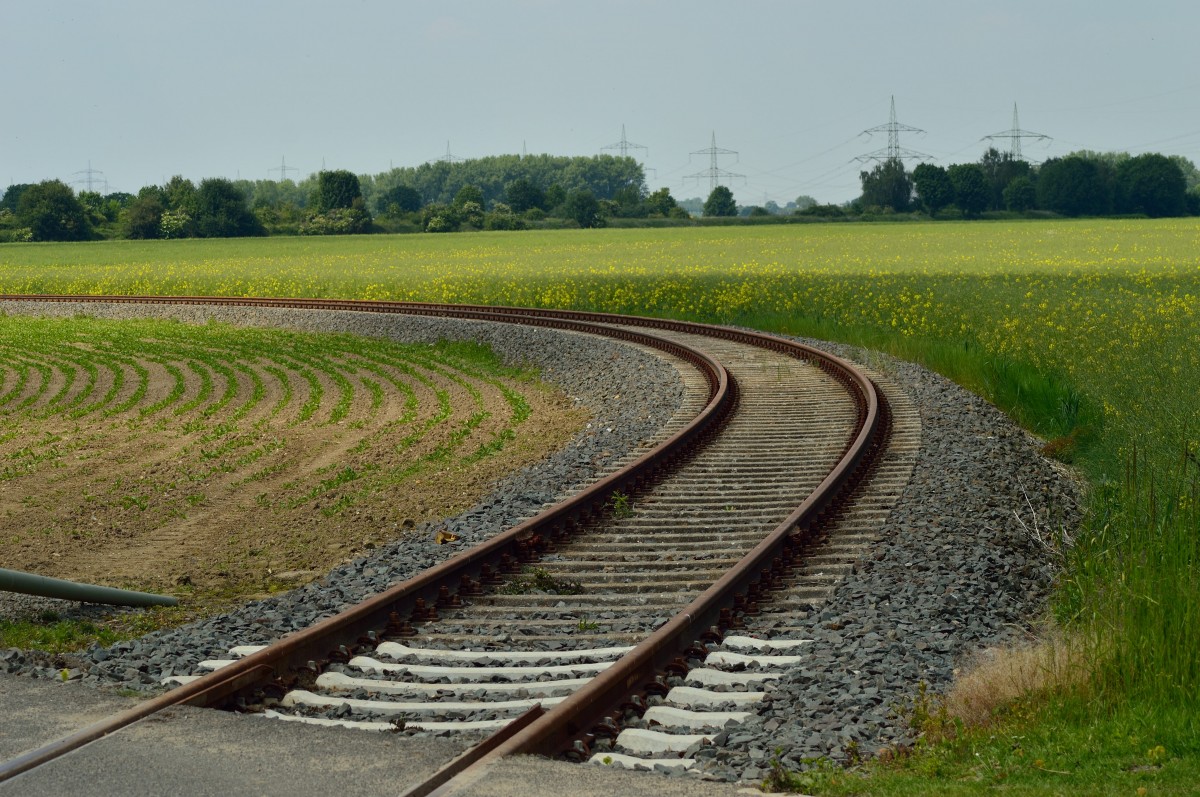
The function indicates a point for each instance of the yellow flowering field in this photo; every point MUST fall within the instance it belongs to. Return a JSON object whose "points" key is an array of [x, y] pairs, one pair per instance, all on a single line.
{"points": [[1110, 304]]}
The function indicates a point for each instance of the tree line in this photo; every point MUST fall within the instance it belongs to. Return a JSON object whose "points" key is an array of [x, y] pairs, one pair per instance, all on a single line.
{"points": [[501, 192], [1084, 183], [510, 192]]}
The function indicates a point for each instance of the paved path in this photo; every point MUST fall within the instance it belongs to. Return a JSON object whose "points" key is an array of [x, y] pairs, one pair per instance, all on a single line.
{"points": [[189, 751]]}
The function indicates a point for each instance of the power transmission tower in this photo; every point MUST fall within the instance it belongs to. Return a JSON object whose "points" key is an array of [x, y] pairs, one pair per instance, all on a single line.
{"points": [[1014, 137], [283, 169], [715, 174], [90, 178], [448, 158], [624, 145], [893, 151]]}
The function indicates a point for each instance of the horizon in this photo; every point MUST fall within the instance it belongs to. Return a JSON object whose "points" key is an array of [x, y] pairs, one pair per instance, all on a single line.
{"points": [[229, 89]]}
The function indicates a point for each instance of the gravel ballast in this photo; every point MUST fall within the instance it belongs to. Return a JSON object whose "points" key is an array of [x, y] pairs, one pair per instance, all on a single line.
{"points": [[955, 573], [630, 393], [956, 570]]}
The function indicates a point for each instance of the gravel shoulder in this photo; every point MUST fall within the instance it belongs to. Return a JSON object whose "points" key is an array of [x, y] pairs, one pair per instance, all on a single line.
{"points": [[956, 571], [954, 574]]}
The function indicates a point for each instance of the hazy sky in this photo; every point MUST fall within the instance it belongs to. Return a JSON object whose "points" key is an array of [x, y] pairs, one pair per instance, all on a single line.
{"points": [[144, 89]]}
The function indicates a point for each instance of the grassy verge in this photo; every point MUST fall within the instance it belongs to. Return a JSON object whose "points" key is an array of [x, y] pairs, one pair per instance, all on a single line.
{"points": [[1126, 722], [54, 634], [1039, 746]]}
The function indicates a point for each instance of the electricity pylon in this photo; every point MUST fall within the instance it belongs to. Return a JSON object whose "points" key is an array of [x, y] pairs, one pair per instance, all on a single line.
{"points": [[893, 151], [1014, 137], [715, 174], [283, 169], [624, 145], [448, 158], [90, 178]]}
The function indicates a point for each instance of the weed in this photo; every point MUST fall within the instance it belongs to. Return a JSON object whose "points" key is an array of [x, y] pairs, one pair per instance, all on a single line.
{"points": [[816, 775], [618, 502], [539, 580]]}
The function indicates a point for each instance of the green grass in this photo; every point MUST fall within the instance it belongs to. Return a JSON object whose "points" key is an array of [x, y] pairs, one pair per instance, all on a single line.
{"points": [[1058, 747], [53, 634]]}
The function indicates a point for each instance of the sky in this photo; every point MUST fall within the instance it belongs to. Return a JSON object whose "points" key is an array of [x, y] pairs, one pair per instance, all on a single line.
{"points": [[140, 90]]}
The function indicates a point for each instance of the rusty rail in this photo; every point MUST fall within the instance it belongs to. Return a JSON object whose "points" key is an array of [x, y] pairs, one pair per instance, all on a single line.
{"points": [[418, 597], [578, 718]]}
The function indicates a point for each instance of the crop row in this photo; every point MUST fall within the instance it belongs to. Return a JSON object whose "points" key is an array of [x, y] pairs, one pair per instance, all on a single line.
{"points": [[115, 430]]}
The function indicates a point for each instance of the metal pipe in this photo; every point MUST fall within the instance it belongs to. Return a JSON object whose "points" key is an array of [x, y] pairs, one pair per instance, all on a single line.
{"points": [[30, 584]]}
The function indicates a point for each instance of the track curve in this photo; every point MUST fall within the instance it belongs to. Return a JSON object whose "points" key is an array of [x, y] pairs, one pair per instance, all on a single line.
{"points": [[752, 406]]}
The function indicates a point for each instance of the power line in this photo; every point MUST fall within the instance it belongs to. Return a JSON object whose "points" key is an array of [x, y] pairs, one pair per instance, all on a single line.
{"points": [[893, 151], [715, 174], [1014, 137]]}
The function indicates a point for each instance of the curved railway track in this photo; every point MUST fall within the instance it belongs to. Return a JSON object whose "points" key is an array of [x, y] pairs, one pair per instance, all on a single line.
{"points": [[704, 534]]}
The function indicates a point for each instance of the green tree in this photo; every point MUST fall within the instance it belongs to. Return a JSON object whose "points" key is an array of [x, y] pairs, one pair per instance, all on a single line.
{"points": [[468, 193], [52, 212], [180, 195], [522, 195], [1152, 184], [221, 211], [1020, 194], [887, 186], [933, 186], [1074, 186], [335, 189], [1000, 169], [556, 195], [971, 192], [720, 203], [404, 198], [661, 203], [143, 218], [629, 203], [582, 207], [1191, 175], [12, 196], [501, 217]]}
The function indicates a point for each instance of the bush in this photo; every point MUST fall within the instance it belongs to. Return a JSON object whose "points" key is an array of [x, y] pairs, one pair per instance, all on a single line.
{"points": [[822, 211], [439, 218], [502, 217], [339, 221]]}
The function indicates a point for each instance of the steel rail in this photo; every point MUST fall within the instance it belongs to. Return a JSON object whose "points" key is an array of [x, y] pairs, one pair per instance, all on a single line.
{"points": [[591, 710], [418, 596], [580, 716]]}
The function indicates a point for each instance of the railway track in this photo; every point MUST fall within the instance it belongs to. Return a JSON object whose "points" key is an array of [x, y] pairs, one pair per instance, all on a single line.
{"points": [[607, 627]]}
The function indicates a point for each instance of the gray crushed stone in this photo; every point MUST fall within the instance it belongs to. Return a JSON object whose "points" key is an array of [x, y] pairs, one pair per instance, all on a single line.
{"points": [[631, 393], [956, 570]]}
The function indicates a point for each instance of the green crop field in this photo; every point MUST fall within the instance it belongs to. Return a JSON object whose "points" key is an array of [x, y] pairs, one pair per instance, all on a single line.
{"points": [[1088, 332]]}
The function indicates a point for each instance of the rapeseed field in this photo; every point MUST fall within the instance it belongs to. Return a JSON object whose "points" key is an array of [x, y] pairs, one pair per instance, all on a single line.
{"points": [[1088, 331]]}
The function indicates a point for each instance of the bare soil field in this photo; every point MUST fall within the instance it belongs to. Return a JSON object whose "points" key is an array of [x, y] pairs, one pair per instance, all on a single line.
{"points": [[218, 464]]}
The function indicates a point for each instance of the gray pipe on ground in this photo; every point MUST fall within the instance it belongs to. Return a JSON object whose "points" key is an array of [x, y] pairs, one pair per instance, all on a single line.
{"points": [[29, 584]]}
